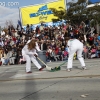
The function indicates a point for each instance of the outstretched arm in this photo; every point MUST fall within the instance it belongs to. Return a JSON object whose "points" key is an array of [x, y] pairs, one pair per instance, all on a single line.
{"points": [[37, 47]]}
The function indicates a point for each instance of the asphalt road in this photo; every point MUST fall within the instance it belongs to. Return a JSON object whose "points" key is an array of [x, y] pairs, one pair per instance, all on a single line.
{"points": [[15, 84]]}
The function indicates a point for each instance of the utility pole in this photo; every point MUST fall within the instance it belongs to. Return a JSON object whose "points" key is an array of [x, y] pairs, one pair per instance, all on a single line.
{"points": [[87, 1], [98, 28], [0, 30]]}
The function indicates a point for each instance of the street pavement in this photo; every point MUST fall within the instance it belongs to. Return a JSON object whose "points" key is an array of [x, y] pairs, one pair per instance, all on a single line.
{"points": [[16, 84]]}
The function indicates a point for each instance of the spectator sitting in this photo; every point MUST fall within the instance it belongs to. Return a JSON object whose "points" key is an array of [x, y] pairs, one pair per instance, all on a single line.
{"points": [[60, 53], [22, 60], [9, 55], [12, 58], [53, 55], [49, 51], [93, 51], [65, 53], [2, 56], [98, 51]]}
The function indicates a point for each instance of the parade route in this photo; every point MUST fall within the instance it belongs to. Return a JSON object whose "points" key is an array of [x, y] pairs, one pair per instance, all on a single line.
{"points": [[16, 84]]}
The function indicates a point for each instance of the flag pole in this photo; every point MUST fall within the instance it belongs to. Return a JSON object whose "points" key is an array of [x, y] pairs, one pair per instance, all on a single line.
{"points": [[20, 18]]}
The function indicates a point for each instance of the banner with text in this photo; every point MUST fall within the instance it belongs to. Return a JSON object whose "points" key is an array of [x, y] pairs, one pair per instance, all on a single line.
{"points": [[36, 14]]}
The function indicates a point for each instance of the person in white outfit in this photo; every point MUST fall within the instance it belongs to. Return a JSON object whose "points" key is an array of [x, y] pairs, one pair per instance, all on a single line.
{"points": [[29, 53], [74, 46]]}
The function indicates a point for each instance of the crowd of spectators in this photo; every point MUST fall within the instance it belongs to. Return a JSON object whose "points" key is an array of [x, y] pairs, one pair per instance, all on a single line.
{"points": [[50, 39]]}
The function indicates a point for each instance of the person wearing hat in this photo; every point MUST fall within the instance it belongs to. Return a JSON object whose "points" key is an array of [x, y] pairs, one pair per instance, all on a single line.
{"points": [[74, 46]]}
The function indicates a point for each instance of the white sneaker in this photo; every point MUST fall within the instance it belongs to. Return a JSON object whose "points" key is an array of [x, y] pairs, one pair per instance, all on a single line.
{"points": [[68, 70], [84, 68]]}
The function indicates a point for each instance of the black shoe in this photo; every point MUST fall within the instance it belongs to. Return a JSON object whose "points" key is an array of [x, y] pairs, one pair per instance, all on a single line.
{"points": [[41, 68]]}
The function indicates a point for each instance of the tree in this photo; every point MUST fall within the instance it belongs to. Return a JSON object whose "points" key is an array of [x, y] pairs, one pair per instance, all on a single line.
{"points": [[60, 14], [94, 14], [78, 12]]}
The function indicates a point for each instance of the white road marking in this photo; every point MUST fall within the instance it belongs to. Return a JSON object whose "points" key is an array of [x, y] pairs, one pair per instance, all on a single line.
{"points": [[24, 71], [23, 75]]}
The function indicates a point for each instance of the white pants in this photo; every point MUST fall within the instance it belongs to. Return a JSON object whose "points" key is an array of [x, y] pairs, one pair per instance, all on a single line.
{"points": [[12, 60], [28, 62], [79, 50]]}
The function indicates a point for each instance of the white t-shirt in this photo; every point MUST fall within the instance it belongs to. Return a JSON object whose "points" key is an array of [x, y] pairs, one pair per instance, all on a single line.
{"points": [[2, 33]]}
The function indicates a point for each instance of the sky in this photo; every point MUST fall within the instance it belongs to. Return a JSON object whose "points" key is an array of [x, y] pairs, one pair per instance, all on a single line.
{"points": [[93, 1], [9, 9]]}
